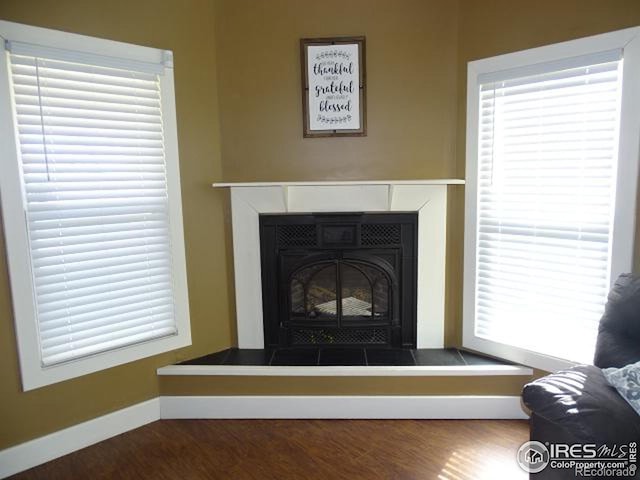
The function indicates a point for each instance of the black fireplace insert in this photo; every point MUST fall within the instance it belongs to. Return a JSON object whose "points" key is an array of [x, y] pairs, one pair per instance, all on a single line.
{"points": [[339, 279]]}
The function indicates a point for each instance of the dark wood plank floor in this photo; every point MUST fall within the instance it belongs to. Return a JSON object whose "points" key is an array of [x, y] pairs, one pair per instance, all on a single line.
{"points": [[300, 449]]}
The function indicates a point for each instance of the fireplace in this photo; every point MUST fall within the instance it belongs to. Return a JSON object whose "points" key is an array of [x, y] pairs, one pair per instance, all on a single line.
{"points": [[425, 198], [340, 279]]}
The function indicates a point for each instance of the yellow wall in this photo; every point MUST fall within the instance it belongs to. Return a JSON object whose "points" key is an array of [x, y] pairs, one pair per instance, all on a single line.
{"points": [[260, 385], [411, 89], [186, 27], [416, 55]]}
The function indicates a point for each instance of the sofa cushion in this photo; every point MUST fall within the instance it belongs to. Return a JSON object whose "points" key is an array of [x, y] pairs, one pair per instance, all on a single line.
{"points": [[581, 401], [619, 331], [626, 381]]}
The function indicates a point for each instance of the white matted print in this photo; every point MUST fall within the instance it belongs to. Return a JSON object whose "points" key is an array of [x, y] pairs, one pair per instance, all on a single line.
{"points": [[334, 81], [333, 76]]}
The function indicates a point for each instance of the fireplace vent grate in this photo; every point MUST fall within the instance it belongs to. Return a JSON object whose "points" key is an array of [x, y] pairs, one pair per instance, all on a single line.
{"points": [[380, 234], [340, 336], [297, 235]]}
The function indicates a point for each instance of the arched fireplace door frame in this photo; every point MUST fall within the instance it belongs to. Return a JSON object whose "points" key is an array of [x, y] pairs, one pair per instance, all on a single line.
{"points": [[352, 260]]}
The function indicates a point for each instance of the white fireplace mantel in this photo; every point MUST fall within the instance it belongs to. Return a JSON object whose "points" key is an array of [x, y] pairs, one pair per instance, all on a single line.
{"points": [[426, 197], [438, 181]]}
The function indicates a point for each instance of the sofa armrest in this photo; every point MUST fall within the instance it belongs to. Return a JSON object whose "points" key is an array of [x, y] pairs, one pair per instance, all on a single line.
{"points": [[581, 401]]}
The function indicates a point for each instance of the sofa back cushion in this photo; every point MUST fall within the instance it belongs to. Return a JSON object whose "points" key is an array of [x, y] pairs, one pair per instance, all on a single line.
{"points": [[619, 331]]}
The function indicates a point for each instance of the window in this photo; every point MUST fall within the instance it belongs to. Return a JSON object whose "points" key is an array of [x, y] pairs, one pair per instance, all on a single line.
{"points": [[91, 202], [552, 167]]}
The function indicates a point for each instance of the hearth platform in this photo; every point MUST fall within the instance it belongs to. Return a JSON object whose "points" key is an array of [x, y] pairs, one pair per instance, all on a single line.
{"points": [[333, 356]]}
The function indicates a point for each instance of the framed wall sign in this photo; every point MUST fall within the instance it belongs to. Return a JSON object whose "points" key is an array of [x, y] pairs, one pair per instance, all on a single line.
{"points": [[333, 87]]}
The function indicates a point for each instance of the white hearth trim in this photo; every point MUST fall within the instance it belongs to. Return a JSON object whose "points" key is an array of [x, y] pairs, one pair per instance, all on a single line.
{"points": [[345, 371], [426, 197], [344, 407]]}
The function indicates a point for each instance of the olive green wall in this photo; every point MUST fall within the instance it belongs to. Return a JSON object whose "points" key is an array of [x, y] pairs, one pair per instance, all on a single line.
{"points": [[260, 385], [411, 89], [186, 27]]}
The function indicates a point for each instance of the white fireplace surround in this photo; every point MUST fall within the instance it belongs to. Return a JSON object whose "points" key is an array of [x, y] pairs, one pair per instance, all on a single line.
{"points": [[426, 197]]}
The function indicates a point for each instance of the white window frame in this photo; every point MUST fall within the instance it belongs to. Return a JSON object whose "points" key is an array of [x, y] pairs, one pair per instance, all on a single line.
{"points": [[627, 177], [15, 225]]}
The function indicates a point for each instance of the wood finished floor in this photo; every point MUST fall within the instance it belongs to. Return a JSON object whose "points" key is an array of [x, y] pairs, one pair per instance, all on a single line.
{"points": [[300, 449]]}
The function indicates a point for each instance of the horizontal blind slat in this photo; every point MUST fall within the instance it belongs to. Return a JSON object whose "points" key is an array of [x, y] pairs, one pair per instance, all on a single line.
{"points": [[152, 131], [95, 194], [123, 339], [98, 238], [90, 336], [103, 294], [90, 168], [54, 140], [48, 66], [56, 328], [101, 308], [132, 278], [130, 309], [116, 213], [103, 250], [82, 115], [85, 85], [77, 231], [80, 124], [44, 91], [87, 267], [88, 106], [47, 282]]}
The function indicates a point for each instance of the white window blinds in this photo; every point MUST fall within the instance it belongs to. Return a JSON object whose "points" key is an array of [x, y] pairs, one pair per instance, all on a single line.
{"points": [[547, 156], [96, 205]]}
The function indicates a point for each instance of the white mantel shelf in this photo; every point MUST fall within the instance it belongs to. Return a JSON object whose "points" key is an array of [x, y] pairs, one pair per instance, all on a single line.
{"points": [[443, 181]]}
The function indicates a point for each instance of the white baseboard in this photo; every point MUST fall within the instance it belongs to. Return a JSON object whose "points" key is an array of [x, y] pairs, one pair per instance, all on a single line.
{"points": [[343, 407], [35, 452]]}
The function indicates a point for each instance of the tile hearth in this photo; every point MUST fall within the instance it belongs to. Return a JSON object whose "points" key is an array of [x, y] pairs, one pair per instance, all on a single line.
{"points": [[333, 356]]}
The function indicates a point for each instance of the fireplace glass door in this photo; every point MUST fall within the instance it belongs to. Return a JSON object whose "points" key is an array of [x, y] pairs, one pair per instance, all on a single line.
{"points": [[340, 293]]}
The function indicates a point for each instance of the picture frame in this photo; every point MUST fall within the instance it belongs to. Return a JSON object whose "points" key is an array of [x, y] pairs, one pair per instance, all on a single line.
{"points": [[333, 86]]}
